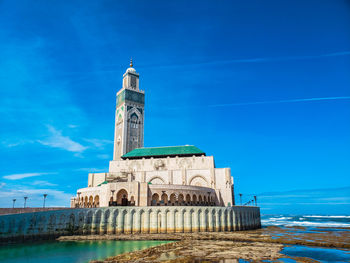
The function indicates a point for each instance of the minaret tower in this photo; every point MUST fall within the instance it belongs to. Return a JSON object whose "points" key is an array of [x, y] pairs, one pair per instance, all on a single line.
{"points": [[129, 115]]}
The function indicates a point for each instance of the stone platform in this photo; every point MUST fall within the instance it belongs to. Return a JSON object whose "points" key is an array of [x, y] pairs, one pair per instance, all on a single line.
{"points": [[128, 220]]}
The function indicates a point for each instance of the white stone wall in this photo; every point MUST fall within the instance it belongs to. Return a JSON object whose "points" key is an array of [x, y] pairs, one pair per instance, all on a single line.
{"points": [[127, 220]]}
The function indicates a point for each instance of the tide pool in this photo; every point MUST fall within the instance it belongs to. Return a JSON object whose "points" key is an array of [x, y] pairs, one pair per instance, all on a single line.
{"points": [[69, 251]]}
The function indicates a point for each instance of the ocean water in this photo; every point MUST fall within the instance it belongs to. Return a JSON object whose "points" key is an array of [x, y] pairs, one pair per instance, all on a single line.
{"points": [[312, 224], [332, 221], [69, 251]]}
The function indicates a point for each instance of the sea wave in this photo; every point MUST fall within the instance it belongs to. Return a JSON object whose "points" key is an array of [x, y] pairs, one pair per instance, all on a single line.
{"points": [[316, 216], [303, 223]]}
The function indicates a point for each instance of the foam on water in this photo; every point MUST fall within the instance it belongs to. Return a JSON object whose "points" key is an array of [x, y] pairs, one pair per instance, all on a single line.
{"points": [[307, 220]]}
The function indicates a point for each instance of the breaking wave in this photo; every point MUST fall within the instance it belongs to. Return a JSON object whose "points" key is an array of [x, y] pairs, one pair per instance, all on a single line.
{"points": [[307, 220]]}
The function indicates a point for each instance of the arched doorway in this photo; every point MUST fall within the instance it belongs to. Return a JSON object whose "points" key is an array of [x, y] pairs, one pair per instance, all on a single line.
{"points": [[97, 201], [194, 200], [181, 199], [200, 200], [155, 199], [122, 197], [172, 199], [164, 199], [188, 199], [91, 200]]}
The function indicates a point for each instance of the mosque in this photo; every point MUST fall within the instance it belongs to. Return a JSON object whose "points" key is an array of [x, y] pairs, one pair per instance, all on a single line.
{"points": [[152, 176], [174, 189]]}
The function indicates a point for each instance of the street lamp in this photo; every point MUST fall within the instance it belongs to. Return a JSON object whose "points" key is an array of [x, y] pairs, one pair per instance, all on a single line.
{"points": [[240, 198], [25, 201], [14, 200], [45, 195]]}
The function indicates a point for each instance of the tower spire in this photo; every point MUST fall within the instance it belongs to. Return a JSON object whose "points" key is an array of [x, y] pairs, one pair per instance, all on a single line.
{"points": [[131, 63]]}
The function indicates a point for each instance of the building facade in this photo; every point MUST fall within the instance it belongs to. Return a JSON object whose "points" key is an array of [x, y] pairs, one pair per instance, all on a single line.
{"points": [[155, 176]]}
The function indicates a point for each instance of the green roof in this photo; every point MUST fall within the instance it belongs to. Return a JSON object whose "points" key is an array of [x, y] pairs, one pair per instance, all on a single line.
{"points": [[187, 150], [105, 182]]}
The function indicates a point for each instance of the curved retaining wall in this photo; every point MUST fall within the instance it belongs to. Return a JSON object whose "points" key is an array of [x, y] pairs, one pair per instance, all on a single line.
{"points": [[117, 220]]}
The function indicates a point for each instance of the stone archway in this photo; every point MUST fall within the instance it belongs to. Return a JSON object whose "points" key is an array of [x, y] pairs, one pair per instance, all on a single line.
{"points": [[194, 200], [122, 197], [172, 199], [155, 199], [164, 199], [181, 199], [188, 199], [96, 201]]}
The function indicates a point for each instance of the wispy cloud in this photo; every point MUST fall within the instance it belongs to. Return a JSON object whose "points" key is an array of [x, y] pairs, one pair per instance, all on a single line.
{"points": [[92, 170], [266, 102], [249, 60], [99, 143], [23, 175], [43, 183], [57, 140], [280, 101]]}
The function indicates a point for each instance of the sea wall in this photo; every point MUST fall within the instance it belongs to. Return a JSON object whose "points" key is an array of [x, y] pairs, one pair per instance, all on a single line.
{"points": [[127, 220]]}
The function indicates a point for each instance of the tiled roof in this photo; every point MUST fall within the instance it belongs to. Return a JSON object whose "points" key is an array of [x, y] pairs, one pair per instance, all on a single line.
{"points": [[187, 150]]}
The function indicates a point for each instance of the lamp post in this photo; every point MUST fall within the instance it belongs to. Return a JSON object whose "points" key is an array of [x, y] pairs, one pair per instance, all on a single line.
{"points": [[14, 200], [45, 195], [25, 201], [79, 199], [240, 198]]}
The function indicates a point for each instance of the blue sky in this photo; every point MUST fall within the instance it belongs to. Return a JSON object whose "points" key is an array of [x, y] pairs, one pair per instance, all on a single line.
{"points": [[261, 85]]}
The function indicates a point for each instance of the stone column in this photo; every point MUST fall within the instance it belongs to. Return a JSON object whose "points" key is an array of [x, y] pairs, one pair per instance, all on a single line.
{"points": [[154, 222], [120, 222], [229, 219], [111, 222], [146, 224], [163, 226], [188, 222], [137, 220], [93, 224], [171, 223], [103, 223], [128, 223], [180, 227], [196, 223], [218, 221], [210, 221], [203, 222], [239, 219]]}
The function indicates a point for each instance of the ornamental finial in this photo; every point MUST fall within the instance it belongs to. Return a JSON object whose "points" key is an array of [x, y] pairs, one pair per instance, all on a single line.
{"points": [[131, 63]]}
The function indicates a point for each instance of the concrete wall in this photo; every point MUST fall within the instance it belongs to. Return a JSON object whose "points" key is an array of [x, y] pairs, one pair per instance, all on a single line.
{"points": [[127, 220], [18, 210]]}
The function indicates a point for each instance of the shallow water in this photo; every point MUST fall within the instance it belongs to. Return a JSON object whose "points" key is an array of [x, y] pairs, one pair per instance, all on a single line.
{"points": [[316, 253], [69, 251]]}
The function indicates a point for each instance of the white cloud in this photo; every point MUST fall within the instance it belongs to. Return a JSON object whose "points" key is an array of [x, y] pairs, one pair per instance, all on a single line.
{"points": [[43, 183], [21, 176], [57, 140], [2, 185], [99, 143], [92, 170]]}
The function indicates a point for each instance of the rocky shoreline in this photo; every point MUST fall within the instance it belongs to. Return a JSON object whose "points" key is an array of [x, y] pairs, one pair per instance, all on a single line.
{"points": [[254, 245]]}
